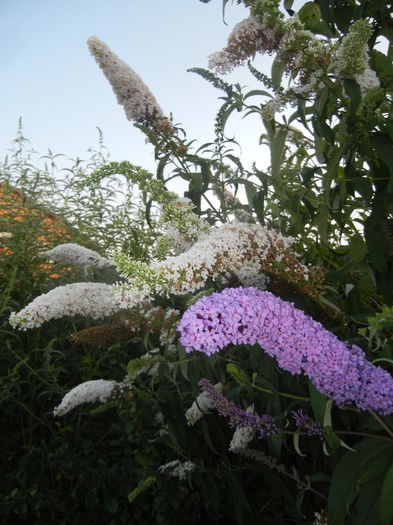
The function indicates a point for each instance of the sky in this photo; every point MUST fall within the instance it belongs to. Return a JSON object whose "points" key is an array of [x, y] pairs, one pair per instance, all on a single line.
{"points": [[50, 79]]}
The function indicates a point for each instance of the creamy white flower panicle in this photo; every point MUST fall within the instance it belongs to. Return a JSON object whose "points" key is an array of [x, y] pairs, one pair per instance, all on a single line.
{"points": [[177, 469], [200, 406], [79, 255], [86, 299], [352, 55], [352, 59], [236, 247], [243, 42], [88, 392], [242, 436], [227, 248], [131, 92]]}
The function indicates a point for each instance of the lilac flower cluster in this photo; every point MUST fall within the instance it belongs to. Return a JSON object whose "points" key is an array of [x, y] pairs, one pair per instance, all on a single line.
{"points": [[238, 417], [295, 340]]}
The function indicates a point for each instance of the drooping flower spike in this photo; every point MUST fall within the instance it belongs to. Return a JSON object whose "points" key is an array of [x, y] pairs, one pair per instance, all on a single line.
{"points": [[250, 249], [299, 344], [88, 299], [238, 418], [78, 255]]}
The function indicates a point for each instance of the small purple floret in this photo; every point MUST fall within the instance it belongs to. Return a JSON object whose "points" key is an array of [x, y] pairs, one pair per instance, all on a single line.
{"points": [[298, 343], [301, 419]]}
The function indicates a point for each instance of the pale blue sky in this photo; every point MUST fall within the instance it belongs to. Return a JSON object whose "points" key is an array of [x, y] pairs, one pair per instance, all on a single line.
{"points": [[50, 79]]}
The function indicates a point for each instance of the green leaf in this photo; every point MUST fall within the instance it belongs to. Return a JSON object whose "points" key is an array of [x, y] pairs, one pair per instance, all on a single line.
{"points": [[384, 148], [148, 213], [334, 440], [296, 438], [239, 498], [161, 167], [319, 148], [197, 180], [327, 12], [321, 28], [206, 435], [320, 101], [327, 416], [374, 234], [206, 174], [352, 89], [368, 503], [224, 3], [385, 511], [184, 369], [250, 191], [332, 170], [309, 14], [364, 187], [383, 66], [383, 145], [301, 113], [142, 486], [259, 206], [194, 298], [257, 92], [277, 71], [357, 248], [369, 461], [213, 499], [318, 402], [276, 152], [322, 222], [288, 6], [345, 14]]}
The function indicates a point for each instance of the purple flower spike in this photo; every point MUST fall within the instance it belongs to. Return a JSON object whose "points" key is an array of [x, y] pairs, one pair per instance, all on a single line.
{"points": [[298, 343], [238, 417]]}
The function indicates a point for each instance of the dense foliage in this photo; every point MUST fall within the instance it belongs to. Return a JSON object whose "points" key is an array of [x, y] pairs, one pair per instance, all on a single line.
{"points": [[243, 357]]}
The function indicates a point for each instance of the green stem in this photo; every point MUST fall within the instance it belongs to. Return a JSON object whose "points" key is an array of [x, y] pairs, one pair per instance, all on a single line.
{"points": [[362, 434], [25, 362], [283, 394], [384, 359], [382, 423], [211, 206], [340, 432]]}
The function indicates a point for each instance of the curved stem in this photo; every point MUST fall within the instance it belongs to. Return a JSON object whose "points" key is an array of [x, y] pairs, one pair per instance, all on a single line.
{"points": [[283, 394], [362, 434], [382, 423], [340, 432]]}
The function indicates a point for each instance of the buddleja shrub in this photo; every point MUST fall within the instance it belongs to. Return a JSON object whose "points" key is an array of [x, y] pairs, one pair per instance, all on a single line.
{"points": [[169, 396], [247, 397]]}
